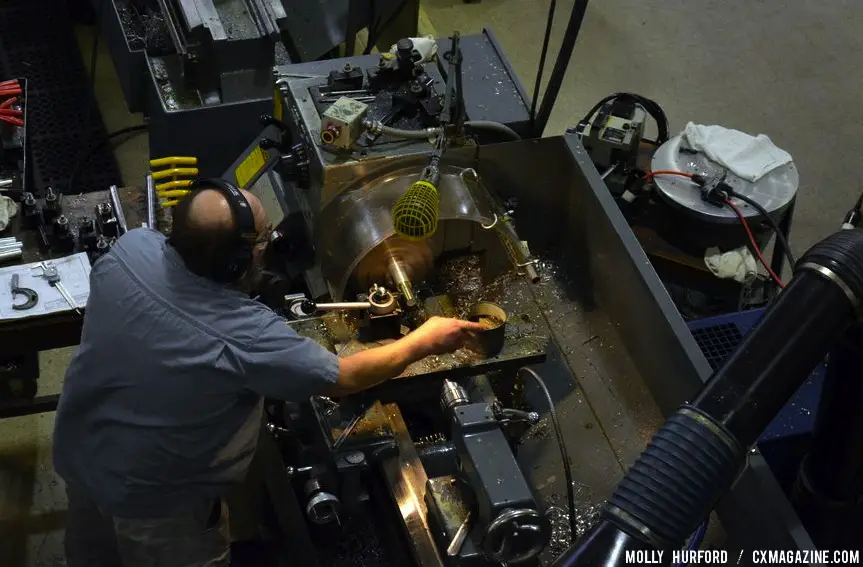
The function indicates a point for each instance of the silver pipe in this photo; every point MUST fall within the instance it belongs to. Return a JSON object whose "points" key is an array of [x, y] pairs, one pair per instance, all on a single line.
{"points": [[5, 183], [8, 240], [16, 246], [151, 202], [118, 209], [10, 255]]}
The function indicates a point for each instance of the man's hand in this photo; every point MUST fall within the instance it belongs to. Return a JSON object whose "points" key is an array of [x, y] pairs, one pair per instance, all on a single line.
{"points": [[442, 335]]}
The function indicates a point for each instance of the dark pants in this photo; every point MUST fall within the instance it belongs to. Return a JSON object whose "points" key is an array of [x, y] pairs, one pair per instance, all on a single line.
{"points": [[196, 538]]}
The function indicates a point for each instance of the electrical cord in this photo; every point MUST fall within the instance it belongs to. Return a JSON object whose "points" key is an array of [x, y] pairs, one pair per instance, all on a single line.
{"points": [[493, 127], [780, 236], [742, 219], [558, 432], [753, 242], [85, 157]]}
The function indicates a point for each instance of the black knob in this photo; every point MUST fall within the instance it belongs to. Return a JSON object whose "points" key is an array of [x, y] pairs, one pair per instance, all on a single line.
{"points": [[308, 307], [405, 47]]}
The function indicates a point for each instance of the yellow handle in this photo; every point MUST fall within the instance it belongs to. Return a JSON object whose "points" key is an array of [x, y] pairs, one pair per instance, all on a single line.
{"points": [[173, 194], [172, 161], [173, 184], [165, 173], [173, 203]]}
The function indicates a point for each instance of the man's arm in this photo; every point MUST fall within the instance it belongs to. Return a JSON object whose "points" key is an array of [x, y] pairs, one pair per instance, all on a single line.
{"points": [[284, 365], [369, 368]]}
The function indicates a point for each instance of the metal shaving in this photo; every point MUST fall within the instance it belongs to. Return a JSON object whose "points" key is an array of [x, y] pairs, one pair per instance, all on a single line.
{"points": [[144, 28], [357, 545], [561, 535], [538, 431]]}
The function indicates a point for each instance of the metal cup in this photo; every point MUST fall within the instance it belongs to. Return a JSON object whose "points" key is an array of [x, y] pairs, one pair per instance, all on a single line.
{"points": [[490, 341]]}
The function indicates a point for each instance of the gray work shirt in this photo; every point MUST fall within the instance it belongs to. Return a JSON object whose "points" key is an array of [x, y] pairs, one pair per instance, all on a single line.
{"points": [[162, 403]]}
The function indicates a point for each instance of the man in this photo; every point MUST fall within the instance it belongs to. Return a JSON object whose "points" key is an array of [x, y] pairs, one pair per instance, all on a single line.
{"points": [[161, 407]]}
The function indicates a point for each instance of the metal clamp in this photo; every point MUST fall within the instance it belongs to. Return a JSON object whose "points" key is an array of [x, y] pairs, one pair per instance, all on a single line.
{"points": [[834, 277]]}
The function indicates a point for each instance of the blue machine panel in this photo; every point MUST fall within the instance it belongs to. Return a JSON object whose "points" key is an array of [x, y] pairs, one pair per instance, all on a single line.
{"points": [[719, 336]]}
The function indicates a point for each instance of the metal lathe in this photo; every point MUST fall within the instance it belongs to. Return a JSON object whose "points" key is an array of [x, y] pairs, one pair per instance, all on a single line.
{"points": [[394, 197]]}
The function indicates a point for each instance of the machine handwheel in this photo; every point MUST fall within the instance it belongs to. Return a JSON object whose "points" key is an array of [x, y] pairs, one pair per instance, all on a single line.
{"points": [[516, 536]]}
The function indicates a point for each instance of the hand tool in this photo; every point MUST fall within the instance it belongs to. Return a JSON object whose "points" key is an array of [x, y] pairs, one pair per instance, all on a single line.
{"points": [[50, 273], [174, 172], [32, 296], [178, 184], [11, 120], [458, 540]]}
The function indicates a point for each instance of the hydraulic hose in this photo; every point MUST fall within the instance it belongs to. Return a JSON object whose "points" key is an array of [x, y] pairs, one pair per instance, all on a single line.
{"points": [[376, 127], [491, 126], [694, 459]]}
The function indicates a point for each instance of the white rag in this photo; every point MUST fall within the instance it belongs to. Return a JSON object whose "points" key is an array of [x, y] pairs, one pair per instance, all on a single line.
{"points": [[738, 265], [8, 209], [748, 157]]}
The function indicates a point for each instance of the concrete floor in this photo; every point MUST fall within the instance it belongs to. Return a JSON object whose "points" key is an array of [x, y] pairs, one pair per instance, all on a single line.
{"points": [[786, 69]]}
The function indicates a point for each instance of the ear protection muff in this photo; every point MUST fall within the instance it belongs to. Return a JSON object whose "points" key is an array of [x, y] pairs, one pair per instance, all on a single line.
{"points": [[238, 259]]}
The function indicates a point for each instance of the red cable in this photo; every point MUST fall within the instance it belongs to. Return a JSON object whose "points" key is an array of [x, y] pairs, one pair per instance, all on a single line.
{"points": [[650, 175], [8, 102], [11, 120], [758, 253]]}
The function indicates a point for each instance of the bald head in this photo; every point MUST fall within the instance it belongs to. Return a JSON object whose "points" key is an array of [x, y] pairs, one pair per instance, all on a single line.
{"points": [[204, 228], [209, 209]]}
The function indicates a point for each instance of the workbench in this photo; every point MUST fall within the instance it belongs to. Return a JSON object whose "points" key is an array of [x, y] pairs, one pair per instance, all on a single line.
{"points": [[21, 340]]}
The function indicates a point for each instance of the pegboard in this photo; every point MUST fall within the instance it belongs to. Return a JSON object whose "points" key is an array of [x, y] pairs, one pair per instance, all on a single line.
{"points": [[37, 41]]}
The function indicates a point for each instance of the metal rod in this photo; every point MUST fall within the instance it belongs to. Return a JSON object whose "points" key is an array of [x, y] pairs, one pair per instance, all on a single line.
{"points": [[458, 540], [564, 55], [151, 202], [5, 183], [11, 254], [402, 282], [118, 209], [347, 305], [8, 240], [8, 247]]}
